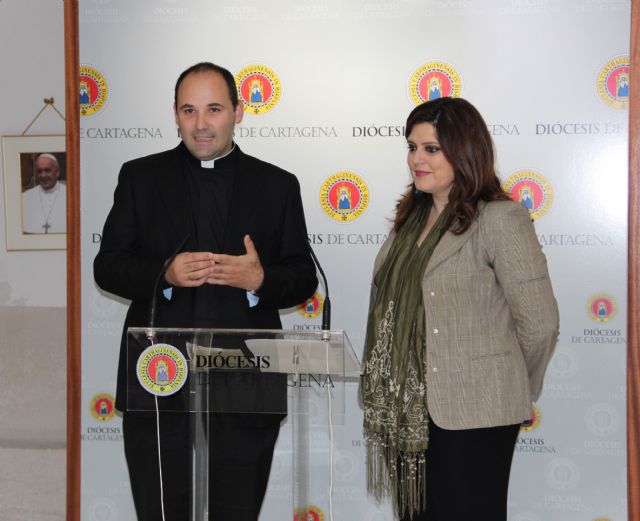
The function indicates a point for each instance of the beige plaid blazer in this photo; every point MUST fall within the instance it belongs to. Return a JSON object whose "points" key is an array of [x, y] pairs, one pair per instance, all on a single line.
{"points": [[491, 320]]}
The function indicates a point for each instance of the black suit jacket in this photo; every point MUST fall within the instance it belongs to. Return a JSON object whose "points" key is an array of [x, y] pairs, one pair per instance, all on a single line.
{"points": [[151, 218]]}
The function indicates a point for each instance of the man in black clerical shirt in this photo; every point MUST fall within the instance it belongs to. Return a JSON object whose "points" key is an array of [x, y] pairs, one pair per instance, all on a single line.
{"points": [[238, 226]]}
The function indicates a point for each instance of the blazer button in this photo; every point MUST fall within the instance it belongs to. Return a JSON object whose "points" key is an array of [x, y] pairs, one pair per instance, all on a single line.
{"points": [[432, 293], [435, 331], [435, 369]]}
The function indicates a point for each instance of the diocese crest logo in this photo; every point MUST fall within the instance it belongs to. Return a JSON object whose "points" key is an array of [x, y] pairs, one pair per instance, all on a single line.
{"points": [[562, 474], [612, 82], [312, 307], [602, 419], [344, 196], [310, 513], [101, 306], [564, 364], [94, 90], [258, 88], [532, 190], [602, 307], [162, 369], [534, 422], [103, 407], [434, 80]]}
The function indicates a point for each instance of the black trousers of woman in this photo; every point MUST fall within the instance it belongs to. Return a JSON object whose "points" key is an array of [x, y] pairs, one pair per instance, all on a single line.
{"points": [[241, 450], [468, 474]]}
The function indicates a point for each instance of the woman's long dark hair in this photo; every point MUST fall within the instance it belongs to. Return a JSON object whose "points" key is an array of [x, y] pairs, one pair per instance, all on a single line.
{"points": [[467, 145]]}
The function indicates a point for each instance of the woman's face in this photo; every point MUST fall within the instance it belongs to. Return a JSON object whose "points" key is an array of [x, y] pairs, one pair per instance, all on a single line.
{"points": [[431, 171]]}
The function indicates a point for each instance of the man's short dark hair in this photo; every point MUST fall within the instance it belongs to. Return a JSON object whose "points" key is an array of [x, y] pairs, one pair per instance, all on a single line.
{"points": [[205, 67]]}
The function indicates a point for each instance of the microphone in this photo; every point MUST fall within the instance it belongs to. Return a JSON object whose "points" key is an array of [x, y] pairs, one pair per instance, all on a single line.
{"points": [[326, 308], [154, 298]]}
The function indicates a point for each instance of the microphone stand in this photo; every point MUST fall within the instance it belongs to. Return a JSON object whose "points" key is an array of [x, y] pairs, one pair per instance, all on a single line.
{"points": [[151, 337], [326, 307]]}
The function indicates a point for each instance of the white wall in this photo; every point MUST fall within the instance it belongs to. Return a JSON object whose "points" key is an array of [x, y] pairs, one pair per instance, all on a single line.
{"points": [[32, 283], [32, 65]]}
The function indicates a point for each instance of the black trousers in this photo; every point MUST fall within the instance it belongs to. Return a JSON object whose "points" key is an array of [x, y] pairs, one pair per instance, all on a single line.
{"points": [[240, 454], [468, 474]]}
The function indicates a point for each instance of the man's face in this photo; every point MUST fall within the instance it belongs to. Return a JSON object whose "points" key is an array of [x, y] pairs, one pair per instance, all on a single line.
{"points": [[47, 172], [205, 115]]}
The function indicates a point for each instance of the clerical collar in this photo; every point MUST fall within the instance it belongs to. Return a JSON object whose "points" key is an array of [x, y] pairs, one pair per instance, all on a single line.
{"points": [[217, 162]]}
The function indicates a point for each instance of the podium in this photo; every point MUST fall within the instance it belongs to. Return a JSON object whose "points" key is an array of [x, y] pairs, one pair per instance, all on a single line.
{"points": [[289, 376]]}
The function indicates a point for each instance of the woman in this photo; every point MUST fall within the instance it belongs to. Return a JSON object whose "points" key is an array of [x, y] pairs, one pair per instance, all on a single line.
{"points": [[461, 327]]}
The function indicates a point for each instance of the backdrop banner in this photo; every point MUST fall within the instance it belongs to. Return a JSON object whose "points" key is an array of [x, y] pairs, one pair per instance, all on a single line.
{"points": [[327, 87]]}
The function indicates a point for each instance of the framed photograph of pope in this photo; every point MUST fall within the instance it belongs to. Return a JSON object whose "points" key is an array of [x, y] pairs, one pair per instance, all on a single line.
{"points": [[35, 192]]}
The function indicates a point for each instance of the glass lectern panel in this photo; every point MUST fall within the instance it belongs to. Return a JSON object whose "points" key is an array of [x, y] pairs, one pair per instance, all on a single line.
{"points": [[235, 370], [293, 378]]}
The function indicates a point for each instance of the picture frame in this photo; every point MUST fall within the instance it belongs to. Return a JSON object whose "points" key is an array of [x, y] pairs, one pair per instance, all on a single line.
{"points": [[35, 195]]}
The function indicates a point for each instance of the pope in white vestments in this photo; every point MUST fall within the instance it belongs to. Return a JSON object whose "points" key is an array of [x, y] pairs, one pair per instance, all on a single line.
{"points": [[44, 207]]}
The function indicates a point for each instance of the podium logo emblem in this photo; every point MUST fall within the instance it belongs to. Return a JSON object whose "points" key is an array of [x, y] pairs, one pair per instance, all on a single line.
{"points": [[344, 196], [612, 82], [258, 88], [93, 90], [103, 407], [434, 80], [309, 513], [162, 369], [532, 190]]}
